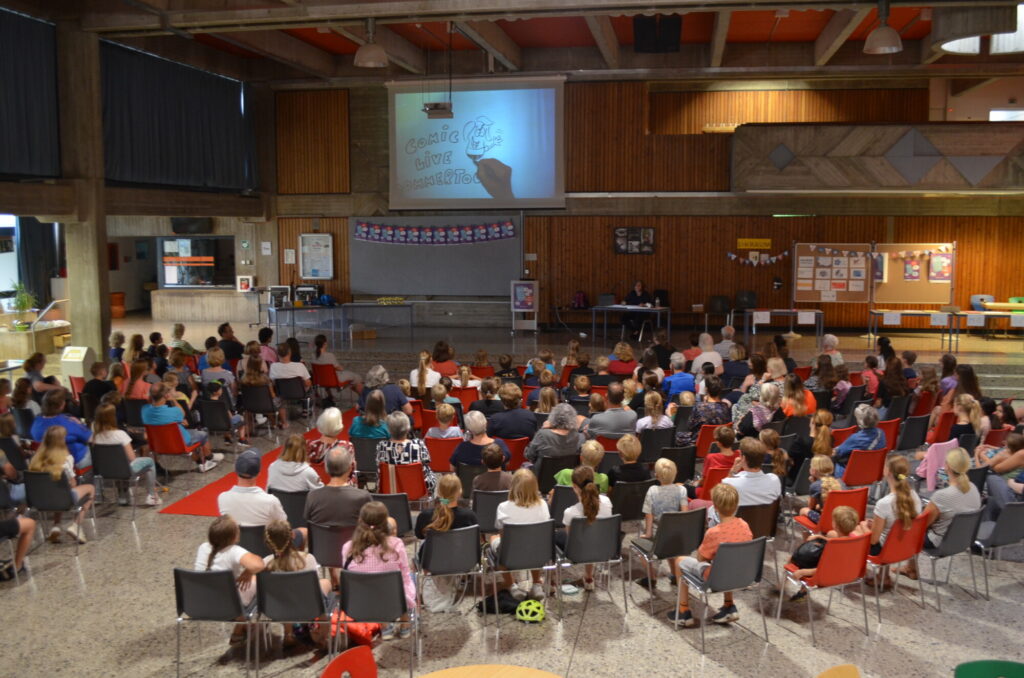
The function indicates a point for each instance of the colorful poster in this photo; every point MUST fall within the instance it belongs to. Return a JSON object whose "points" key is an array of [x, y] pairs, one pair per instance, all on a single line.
{"points": [[839, 285], [857, 273], [912, 270], [940, 268], [439, 235], [524, 295]]}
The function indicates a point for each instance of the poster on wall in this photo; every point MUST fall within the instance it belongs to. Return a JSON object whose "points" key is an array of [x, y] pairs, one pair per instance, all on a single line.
{"points": [[911, 270], [940, 268], [316, 256], [631, 240], [524, 296]]}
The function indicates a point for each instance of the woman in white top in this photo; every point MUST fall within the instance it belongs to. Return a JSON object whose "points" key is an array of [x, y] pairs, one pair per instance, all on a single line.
{"points": [[106, 432], [321, 356], [707, 354], [591, 506], [221, 551], [654, 413], [902, 504], [54, 458], [524, 505], [424, 377], [291, 472]]}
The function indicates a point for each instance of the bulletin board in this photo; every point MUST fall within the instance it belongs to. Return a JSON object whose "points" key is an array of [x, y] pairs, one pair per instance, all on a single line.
{"points": [[316, 256], [832, 273], [916, 273]]}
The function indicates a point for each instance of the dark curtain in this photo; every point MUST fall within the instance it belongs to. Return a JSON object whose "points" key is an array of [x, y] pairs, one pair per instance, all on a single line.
{"points": [[169, 124], [36, 244], [29, 128]]}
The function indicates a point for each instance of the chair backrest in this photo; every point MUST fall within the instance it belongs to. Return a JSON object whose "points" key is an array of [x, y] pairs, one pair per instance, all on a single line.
{"points": [[978, 477], [843, 560], [864, 467], [214, 415], [628, 498], [207, 596], [292, 388], [294, 504], [903, 544], [417, 415], [547, 467], [451, 552], [763, 519], [609, 461], [718, 304], [786, 442], [373, 596], [43, 493], [467, 396], [968, 441], [429, 417], [467, 473], [251, 539], [541, 418], [856, 379], [685, 459], [777, 425], [705, 438], [924, 404], [89, 404], [960, 534], [977, 301], [653, 441], [997, 436], [802, 485], [325, 375], [398, 508], [564, 497], [594, 542], [325, 543], [441, 450], [256, 399], [683, 413], [746, 299], [915, 429], [408, 479], [856, 499], [679, 533], [891, 427], [941, 432], [712, 478], [898, 407], [289, 596], [822, 398], [527, 546], [485, 506], [853, 396], [165, 439], [365, 454], [110, 462], [482, 371], [1009, 527], [23, 418], [77, 384], [840, 435], [563, 379], [133, 412], [517, 450], [14, 455], [737, 565], [609, 444], [799, 426], [803, 372], [355, 662]]}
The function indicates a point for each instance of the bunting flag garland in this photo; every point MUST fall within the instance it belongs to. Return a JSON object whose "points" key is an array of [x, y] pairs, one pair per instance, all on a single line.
{"points": [[908, 254], [763, 261], [434, 235]]}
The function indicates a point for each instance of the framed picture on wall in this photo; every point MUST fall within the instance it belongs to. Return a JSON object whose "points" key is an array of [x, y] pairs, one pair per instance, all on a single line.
{"points": [[244, 283], [632, 240]]}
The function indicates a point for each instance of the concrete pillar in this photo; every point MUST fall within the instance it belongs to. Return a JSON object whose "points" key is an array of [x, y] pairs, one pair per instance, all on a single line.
{"points": [[81, 140]]}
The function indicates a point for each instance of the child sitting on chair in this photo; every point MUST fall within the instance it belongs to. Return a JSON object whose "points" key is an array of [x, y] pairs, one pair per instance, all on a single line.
{"points": [[663, 498], [444, 428], [780, 458], [630, 470], [494, 479], [844, 523], [822, 482], [591, 455], [506, 371]]}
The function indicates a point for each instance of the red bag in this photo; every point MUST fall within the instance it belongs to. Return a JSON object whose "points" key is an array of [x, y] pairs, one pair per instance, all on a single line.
{"points": [[359, 633]]}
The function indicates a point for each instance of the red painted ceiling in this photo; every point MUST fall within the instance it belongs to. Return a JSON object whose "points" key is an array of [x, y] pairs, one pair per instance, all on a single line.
{"points": [[330, 41]]}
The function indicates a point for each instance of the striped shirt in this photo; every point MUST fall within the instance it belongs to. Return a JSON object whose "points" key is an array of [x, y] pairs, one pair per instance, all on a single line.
{"points": [[950, 501]]}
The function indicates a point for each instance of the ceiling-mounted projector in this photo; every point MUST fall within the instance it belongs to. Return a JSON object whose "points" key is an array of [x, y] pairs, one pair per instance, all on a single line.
{"points": [[438, 109]]}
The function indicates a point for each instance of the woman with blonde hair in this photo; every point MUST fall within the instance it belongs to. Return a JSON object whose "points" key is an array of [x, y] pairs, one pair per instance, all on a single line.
{"points": [[654, 413], [797, 401], [465, 379], [968, 418], [624, 364], [291, 471], [573, 350], [54, 458], [763, 411], [524, 505], [901, 504], [178, 342], [424, 377], [961, 496], [105, 431], [821, 433], [547, 398]]}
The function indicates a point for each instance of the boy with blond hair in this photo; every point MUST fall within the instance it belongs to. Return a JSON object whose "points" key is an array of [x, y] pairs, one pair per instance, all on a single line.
{"points": [[630, 470], [445, 414], [662, 498], [591, 455]]}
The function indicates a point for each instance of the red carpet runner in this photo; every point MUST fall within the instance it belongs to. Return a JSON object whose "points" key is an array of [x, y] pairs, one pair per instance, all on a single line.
{"points": [[203, 502]]}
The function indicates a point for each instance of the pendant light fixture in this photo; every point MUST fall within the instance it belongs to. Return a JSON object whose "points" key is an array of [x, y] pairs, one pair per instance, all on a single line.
{"points": [[370, 54], [884, 39]]}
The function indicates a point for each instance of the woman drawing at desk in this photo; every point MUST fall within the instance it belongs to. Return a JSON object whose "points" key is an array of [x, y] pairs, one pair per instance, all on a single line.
{"points": [[638, 296]]}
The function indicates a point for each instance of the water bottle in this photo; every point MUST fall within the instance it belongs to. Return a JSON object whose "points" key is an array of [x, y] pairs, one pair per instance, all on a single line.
{"points": [[657, 302]]}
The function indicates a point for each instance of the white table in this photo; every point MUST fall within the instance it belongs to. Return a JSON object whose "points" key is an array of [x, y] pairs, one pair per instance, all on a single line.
{"points": [[748, 314], [657, 311]]}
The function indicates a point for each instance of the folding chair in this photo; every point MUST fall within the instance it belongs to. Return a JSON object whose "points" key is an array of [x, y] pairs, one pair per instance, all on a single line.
{"points": [[166, 440], [960, 536], [294, 505], [609, 444], [683, 419], [891, 428], [685, 459], [853, 396], [45, 495], [997, 437], [441, 450], [251, 539], [856, 499], [133, 412], [679, 534], [287, 598], [787, 441], [467, 396], [257, 400], [524, 546], [925, 403], [215, 417], [517, 450], [1006, 530], [913, 433], [592, 543], [206, 597], [482, 371], [798, 426], [398, 508], [843, 561], [109, 462], [455, 552], [485, 506], [940, 433], [839, 435], [467, 473], [628, 498], [365, 456], [803, 372], [763, 520], [737, 566], [547, 467], [705, 437], [609, 461], [378, 597], [89, 404], [711, 478], [900, 546], [325, 377], [564, 497], [898, 407], [653, 441], [799, 487], [402, 478], [864, 468], [325, 543]]}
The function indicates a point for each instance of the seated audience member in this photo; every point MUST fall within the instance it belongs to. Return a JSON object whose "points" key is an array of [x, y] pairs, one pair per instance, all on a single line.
{"points": [[602, 377], [438, 395], [446, 513], [221, 551], [287, 367], [871, 375], [105, 431], [139, 379], [177, 366], [665, 497], [183, 401], [648, 365], [649, 384], [337, 503], [54, 457], [267, 350], [844, 524], [370, 424], [693, 350], [254, 376], [158, 411], [178, 340], [583, 368], [406, 388], [707, 370], [322, 356], [823, 378], [546, 379], [296, 348], [830, 347], [901, 503], [572, 352], [893, 384], [214, 391], [156, 340], [482, 359], [764, 411], [797, 401], [134, 351], [712, 410], [377, 379], [115, 343], [822, 482], [755, 487], [725, 345], [909, 360], [489, 403], [736, 369], [21, 397], [284, 557], [228, 343], [203, 362], [20, 530], [654, 413], [778, 457], [579, 390], [590, 505], [726, 456], [494, 478], [842, 386], [507, 372], [445, 428], [623, 363], [591, 454], [98, 386], [330, 424], [248, 503], [707, 355], [216, 371], [961, 496], [374, 549], [728, 529], [514, 421], [524, 505], [558, 437], [821, 433], [679, 380], [291, 471], [662, 349], [34, 366], [1004, 483], [469, 452], [400, 449], [77, 434], [867, 437], [531, 377], [615, 421], [443, 358], [630, 470], [547, 362]]}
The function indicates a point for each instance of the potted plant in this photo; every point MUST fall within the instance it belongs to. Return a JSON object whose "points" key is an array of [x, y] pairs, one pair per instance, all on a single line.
{"points": [[24, 301]]}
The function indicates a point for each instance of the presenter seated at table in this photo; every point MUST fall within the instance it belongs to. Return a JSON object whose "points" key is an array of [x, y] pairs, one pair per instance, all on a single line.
{"points": [[638, 296]]}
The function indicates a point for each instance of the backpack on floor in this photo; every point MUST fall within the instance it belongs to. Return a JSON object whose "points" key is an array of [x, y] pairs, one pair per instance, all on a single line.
{"points": [[507, 604]]}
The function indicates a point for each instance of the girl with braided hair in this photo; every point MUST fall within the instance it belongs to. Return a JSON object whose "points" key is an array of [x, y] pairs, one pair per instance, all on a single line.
{"points": [[901, 504], [591, 506]]}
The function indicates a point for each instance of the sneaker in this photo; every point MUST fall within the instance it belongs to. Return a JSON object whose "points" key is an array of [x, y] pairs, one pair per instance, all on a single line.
{"points": [[7, 572], [726, 615], [217, 456], [387, 631], [404, 631], [588, 584], [76, 532], [518, 593], [153, 500], [537, 592], [682, 618], [206, 466], [646, 582], [260, 420], [798, 596], [55, 535]]}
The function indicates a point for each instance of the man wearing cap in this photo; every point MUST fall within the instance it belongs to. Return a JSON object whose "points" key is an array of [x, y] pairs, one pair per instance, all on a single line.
{"points": [[248, 503]]}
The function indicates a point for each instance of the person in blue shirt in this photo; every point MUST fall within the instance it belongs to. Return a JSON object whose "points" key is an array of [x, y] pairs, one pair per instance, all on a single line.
{"points": [[674, 384], [78, 434], [158, 411], [867, 437]]}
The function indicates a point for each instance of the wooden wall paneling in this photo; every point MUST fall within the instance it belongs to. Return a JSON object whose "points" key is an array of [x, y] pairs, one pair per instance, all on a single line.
{"points": [[288, 238], [313, 141]]}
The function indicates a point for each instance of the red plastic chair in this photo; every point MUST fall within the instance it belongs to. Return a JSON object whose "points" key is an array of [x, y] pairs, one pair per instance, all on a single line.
{"points": [[191, 362], [865, 467], [77, 384], [521, 369], [803, 372], [997, 437], [857, 499], [517, 448], [166, 439], [856, 379], [408, 479], [713, 477], [603, 390], [563, 380], [925, 403], [357, 662], [325, 376], [441, 450], [482, 371], [428, 419], [417, 414], [901, 545], [466, 396], [527, 390], [892, 433], [840, 435], [609, 444], [705, 438], [843, 561], [940, 433]]}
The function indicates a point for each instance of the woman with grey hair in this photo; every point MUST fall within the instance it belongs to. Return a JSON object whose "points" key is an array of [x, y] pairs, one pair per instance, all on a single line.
{"points": [[470, 451], [558, 437], [867, 437], [330, 424], [378, 379], [401, 449], [830, 347], [707, 354]]}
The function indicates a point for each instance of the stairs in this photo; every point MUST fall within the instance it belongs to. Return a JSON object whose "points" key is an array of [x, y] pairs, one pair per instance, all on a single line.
{"points": [[1001, 381]]}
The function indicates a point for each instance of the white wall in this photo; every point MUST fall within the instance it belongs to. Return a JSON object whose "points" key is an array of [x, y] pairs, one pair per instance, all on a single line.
{"points": [[975, 104], [8, 269], [132, 274]]}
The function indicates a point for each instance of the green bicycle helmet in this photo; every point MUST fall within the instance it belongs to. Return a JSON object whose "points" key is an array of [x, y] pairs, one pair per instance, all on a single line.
{"points": [[530, 611]]}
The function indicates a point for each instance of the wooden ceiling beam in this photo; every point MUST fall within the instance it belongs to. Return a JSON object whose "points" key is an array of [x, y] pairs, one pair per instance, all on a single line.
{"points": [[842, 24], [287, 50], [493, 40], [604, 35], [719, 36], [400, 51]]}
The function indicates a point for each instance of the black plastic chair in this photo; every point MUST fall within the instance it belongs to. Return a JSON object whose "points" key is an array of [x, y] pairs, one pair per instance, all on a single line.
{"points": [[763, 520], [1007, 530], [287, 598], [45, 495], [898, 408], [628, 498], [205, 597], [800, 426], [609, 461], [960, 536], [541, 418], [822, 398], [467, 473], [718, 304], [854, 395], [215, 417], [12, 450], [294, 505], [377, 597], [89, 404], [450, 553], [524, 546], [787, 441], [593, 543], [683, 419], [968, 441], [293, 390], [679, 534], [23, 418], [912, 435], [251, 539], [325, 543], [685, 459], [564, 497], [133, 412], [653, 441], [547, 467], [258, 400], [485, 506], [109, 462], [398, 508], [365, 457], [978, 476]]}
